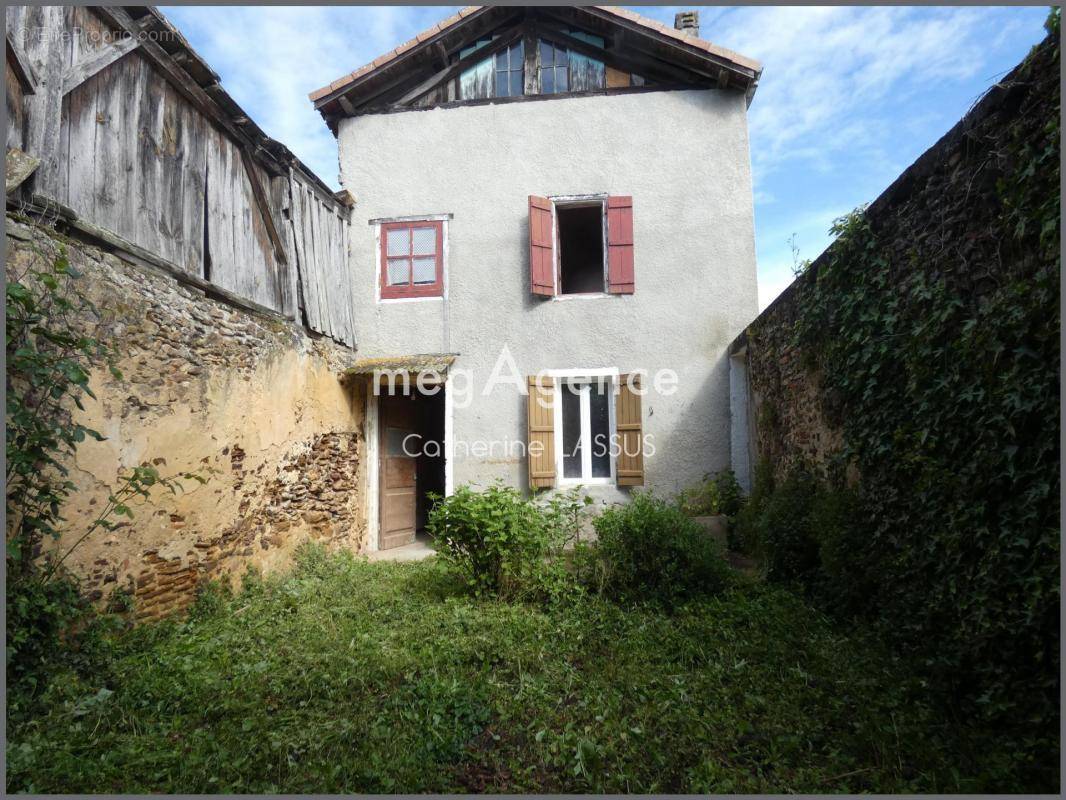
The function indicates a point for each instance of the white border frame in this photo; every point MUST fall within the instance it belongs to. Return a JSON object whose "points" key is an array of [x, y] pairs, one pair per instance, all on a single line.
{"points": [[560, 376], [443, 219]]}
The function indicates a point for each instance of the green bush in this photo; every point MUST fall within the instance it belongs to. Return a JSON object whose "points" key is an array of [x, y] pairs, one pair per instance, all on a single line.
{"points": [[51, 629], [786, 530], [744, 536], [495, 541], [938, 345], [715, 494], [650, 550], [848, 576]]}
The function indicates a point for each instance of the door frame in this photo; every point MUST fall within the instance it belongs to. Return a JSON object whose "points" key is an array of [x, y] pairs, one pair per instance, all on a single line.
{"points": [[372, 437]]}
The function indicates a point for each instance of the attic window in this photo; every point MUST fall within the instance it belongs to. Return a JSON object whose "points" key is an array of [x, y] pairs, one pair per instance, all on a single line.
{"points": [[499, 75], [581, 265], [554, 69], [510, 74]]}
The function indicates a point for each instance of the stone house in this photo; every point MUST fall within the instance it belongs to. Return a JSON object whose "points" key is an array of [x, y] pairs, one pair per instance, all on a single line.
{"points": [[553, 230]]}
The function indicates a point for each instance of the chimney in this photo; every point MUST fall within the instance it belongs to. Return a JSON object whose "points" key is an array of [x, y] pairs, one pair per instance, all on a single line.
{"points": [[688, 22]]}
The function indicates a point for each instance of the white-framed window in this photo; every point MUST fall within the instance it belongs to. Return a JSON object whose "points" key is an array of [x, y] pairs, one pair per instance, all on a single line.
{"points": [[585, 427], [412, 258]]}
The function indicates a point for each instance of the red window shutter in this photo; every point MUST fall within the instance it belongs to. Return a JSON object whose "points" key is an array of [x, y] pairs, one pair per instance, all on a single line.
{"points": [[620, 245], [541, 247]]}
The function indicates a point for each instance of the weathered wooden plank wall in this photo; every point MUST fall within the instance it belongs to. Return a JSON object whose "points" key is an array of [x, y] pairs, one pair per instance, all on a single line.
{"points": [[14, 100], [125, 150], [321, 232]]}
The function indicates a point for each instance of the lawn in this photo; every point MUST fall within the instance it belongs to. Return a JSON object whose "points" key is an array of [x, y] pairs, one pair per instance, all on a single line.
{"points": [[347, 676]]}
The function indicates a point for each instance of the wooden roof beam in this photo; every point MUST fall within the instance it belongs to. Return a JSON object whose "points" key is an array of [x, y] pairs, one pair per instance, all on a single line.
{"points": [[98, 62], [477, 24], [642, 33], [505, 40], [629, 61], [21, 66]]}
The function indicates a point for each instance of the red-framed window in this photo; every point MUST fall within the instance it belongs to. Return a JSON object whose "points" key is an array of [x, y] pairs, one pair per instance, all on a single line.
{"points": [[412, 259]]}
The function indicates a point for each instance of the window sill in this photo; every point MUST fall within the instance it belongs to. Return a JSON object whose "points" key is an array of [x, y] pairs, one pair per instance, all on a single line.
{"points": [[585, 482], [583, 296], [383, 300]]}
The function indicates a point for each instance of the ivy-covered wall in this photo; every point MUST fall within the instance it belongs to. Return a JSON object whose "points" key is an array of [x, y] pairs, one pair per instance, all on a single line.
{"points": [[914, 366]]}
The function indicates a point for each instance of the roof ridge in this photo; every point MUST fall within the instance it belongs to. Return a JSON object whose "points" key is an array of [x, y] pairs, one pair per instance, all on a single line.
{"points": [[684, 38], [455, 19], [381, 60]]}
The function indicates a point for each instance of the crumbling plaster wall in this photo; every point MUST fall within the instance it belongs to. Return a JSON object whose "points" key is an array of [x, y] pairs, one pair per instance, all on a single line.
{"points": [[250, 402]]}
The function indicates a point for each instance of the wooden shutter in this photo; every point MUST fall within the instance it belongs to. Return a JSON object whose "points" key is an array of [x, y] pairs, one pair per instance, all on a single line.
{"points": [[541, 247], [620, 245], [541, 426], [629, 467]]}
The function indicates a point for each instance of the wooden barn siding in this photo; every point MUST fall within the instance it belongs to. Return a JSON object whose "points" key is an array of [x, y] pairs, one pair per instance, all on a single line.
{"points": [[13, 98], [133, 158], [321, 234], [128, 153]]}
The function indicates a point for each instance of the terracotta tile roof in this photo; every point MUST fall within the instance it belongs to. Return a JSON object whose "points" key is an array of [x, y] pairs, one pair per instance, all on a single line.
{"points": [[454, 19], [673, 33]]}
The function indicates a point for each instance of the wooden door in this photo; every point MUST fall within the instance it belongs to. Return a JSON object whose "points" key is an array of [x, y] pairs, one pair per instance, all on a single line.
{"points": [[398, 481]]}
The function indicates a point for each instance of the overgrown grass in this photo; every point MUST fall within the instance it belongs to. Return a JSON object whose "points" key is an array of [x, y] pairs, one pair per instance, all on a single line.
{"points": [[349, 676]]}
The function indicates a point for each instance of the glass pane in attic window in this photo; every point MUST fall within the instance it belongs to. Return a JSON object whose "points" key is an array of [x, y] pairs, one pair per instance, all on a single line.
{"points": [[501, 60], [502, 84], [425, 270], [561, 82], [547, 81], [399, 242], [399, 271], [516, 83], [561, 58], [587, 37], [475, 46], [546, 55], [517, 56], [425, 241]]}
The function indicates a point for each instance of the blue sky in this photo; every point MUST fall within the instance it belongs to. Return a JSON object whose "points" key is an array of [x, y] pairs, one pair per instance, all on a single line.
{"points": [[850, 96]]}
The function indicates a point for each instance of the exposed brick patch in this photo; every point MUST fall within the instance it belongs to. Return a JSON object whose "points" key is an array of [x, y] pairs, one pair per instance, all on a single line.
{"points": [[317, 491], [200, 389]]}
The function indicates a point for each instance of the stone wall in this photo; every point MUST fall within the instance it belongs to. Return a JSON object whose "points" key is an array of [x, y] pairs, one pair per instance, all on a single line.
{"points": [[251, 402], [945, 214]]}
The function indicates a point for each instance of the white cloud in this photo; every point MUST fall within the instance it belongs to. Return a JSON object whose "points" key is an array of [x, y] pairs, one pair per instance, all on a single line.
{"points": [[822, 65], [271, 57]]}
